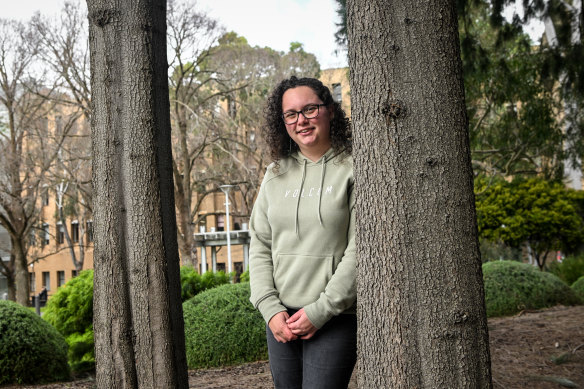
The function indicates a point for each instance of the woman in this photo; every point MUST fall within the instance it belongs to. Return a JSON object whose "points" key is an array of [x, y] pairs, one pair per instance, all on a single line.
{"points": [[302, 251]]}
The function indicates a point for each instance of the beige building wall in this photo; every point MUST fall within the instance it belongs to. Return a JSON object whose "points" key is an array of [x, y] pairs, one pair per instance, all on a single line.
{"points": [[338, 79]]}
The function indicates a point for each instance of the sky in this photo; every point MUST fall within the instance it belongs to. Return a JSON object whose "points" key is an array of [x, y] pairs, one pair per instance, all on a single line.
{"points": [[262, 22]]}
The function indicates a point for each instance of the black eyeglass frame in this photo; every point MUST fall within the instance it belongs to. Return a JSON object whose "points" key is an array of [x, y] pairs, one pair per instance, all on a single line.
{"points": [[303, 114]]}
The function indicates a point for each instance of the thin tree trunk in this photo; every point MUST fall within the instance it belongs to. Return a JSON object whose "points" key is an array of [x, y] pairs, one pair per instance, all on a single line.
{"points": [[21, 272], [421, 311], [139, 333], [11, 283]]}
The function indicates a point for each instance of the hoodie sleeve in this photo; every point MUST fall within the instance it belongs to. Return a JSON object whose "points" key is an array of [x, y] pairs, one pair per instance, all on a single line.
{"points": [[264, 295], [340, 292]]}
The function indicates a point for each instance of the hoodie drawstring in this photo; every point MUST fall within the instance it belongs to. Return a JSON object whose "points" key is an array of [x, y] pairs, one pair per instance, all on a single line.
{"points": [[300, 195], [320, 192]]}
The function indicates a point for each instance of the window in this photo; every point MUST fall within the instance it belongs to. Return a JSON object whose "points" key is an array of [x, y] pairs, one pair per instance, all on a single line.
{"points": [[74, 273], [220, 222], [47, 280], [45, 234], [221, 267], [45, 197], [89, 231], [60, 278], [337, 93], [75, 231], [60, 233], [32, 281]]}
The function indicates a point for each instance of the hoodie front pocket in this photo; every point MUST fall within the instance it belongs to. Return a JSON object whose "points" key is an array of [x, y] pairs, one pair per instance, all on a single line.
{"points": [[300, 279]]}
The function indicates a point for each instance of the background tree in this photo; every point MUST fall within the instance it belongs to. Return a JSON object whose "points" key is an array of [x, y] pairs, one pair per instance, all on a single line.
{"points": [[138, 324], [217, 95], [421, 311], [562, 48], [513, 108], [544, 216], [28, 146], [64, 51]]}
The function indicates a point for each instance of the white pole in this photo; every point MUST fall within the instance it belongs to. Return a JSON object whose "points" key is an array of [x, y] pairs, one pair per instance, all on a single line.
{"points": [[225, 189]]}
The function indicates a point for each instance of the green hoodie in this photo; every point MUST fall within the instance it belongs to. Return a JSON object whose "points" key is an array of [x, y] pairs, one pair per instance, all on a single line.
{"points": [[302, 250]]}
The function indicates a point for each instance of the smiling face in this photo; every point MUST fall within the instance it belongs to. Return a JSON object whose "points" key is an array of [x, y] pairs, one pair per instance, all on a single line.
{"points": [[311, 135]]}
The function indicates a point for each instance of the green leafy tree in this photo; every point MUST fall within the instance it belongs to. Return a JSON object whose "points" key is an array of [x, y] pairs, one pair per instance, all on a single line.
{"points": [[561, 47], [513, 105], [512, 110], [544, 216]]}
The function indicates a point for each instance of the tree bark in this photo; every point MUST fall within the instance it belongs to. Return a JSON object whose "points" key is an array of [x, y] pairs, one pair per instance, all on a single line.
{"points": [[139, 331], [421, 310], [21, 272]]}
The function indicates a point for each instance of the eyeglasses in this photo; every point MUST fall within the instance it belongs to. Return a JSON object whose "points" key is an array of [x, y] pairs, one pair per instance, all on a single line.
{"points": [[310, 112]]}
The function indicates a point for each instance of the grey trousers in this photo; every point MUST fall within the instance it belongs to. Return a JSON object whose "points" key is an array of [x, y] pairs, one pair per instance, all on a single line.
{"points": [[325, 361]]}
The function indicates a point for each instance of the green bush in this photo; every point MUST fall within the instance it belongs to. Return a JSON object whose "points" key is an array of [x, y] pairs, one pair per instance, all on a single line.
{"points": [[223, 328], [569, 270], [192, 283], [578, 288], [244, 277], [70, 311], [31, 350], [511, 287]]}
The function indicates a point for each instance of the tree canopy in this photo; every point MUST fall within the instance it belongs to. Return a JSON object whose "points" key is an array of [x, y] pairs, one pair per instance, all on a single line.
{"points": [[544, 216]]}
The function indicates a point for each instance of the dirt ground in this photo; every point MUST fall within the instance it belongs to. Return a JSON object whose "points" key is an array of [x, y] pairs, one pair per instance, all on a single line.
{"points": [[535, 349]]}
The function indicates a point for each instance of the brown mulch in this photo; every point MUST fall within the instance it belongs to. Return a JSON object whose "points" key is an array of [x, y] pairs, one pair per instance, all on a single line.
{"points": [[535, 349]]}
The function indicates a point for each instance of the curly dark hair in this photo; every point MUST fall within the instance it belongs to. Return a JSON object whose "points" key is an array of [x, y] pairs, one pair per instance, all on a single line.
{"points": [[274, 129]]}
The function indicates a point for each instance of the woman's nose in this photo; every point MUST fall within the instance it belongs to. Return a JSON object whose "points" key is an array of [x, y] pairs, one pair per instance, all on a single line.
{"points": [[302, 118]]}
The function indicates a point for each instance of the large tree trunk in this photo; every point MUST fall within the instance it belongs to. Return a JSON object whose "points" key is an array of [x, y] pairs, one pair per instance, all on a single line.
{"points": [[421, 310], [139, 334]]}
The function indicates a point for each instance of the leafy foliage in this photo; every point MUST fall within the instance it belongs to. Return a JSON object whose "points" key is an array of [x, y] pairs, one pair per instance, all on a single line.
{"points": [[569, 270], [223, 328], [578, 288], [31, 350], [192, 283], [545, 215], [70, 311], [511, 287]]}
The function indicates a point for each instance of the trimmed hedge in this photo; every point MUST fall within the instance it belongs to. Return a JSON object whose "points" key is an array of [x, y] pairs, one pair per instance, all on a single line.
{"points": [[578, 288], [511, 287], [70, 311], [31, 350], [223, 328]]}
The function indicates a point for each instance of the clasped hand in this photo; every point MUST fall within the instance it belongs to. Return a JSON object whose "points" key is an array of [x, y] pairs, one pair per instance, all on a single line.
{"points": [[286, 328]]}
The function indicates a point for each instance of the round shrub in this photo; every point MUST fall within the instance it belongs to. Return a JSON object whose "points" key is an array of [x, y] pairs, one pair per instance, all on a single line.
{"points": [[511, 287], [70, 311], [31, 350], [578, 288], [223, 328]]}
